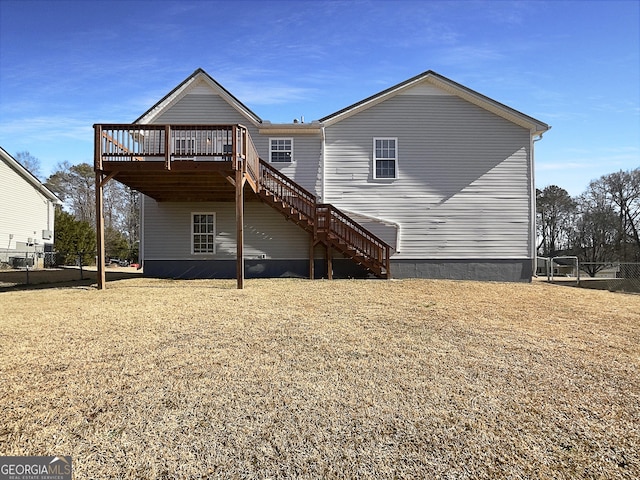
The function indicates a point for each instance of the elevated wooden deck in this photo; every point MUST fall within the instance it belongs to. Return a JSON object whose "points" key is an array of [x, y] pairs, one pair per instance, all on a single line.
{"points": [[201, 163], [190, 163]]}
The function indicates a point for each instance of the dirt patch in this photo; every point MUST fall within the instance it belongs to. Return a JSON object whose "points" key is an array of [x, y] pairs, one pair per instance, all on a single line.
{"points": [[323, 379]]}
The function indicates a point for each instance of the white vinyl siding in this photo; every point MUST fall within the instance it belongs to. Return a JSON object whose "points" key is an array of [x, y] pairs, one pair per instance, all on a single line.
{"points": [[463, 182], [281, 150], [196, 108], [25, 212], [203, 233], [167, 232], [385, 158], [306, 167]]}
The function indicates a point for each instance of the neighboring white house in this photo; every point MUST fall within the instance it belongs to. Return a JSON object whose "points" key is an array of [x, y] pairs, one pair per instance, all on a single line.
{"points": [[441, 173], [26, 213]]}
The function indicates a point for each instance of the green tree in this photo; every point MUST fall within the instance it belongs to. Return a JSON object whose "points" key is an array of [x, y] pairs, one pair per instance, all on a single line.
{"points": [[75, 186], [116, 244], [73, 239]]}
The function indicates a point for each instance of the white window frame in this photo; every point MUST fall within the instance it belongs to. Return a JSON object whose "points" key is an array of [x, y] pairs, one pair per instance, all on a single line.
{"points": [[193, 233], [376, 158], [271, 150]]}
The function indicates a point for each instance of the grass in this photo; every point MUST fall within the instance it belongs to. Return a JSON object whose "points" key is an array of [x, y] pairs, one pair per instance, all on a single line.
{"points": [[323, 379]]}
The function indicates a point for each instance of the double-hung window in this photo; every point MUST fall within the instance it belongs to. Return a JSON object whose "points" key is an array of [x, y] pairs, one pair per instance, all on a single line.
{"points": [[281, 150], [385, 157], [203, 233]]}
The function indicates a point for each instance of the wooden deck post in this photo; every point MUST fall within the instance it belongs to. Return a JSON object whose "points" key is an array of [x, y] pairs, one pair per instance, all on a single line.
{"points": [[329, 263], [311, 259], [240, 228], [100, 231], [167, 147]]}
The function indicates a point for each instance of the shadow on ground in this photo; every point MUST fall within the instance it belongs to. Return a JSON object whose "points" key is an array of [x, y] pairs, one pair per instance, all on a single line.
{"points": [[16, 280]]}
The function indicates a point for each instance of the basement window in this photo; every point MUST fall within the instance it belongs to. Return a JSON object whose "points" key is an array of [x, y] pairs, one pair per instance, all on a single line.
{"points": [[281, 150], [385, 158], [203, 233]]}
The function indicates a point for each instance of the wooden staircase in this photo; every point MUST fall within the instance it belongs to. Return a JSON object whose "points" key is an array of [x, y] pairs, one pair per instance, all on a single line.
{"points": [[211, 163], [328, 225]]}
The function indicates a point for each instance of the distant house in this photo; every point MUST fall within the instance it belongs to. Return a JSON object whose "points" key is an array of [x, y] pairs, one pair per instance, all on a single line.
{"points": [[425, 179], [26, 214]]}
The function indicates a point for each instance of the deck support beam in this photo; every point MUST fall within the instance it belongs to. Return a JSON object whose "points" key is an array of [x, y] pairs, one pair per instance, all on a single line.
{"points": [[100, 230], [240, 228], [329, 262]]}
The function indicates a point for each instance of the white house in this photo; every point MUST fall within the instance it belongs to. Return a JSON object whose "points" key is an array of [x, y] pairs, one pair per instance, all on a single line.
{"points": [[432, 174], [26, 213]]}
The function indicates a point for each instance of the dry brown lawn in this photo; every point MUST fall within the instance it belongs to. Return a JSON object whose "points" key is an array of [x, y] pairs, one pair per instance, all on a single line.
{"points": [[323, 379]]}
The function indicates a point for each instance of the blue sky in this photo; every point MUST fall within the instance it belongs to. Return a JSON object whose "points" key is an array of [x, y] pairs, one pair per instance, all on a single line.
{"points": [[65, 65]]}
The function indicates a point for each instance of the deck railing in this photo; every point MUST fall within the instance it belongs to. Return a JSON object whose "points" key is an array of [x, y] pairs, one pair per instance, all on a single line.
{"points": [[168, 143]]}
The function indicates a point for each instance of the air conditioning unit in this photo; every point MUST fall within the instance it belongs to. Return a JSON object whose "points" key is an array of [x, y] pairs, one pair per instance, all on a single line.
{"points": [[47, 234]]}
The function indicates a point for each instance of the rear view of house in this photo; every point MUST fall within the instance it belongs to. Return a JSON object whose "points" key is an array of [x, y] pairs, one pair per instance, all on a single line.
{"points": [[425, 179], [26, 215]]}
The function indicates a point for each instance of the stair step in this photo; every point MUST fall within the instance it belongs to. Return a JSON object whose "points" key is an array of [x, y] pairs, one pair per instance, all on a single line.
{"points": [[325, 234]]}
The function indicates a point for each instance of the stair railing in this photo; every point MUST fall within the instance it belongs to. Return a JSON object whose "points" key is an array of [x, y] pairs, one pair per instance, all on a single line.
{"points": [[330, 224], [349, 235], [286, 190], [249, 153]]}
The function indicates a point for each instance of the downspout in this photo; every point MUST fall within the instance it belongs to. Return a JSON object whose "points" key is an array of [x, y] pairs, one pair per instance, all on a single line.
{"points": [[534, 240], [322, 165], [141, 233]]}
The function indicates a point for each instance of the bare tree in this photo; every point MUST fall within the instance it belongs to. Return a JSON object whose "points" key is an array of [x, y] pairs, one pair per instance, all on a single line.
{"points": [[75, 186], [623, 190], [30, 162], [596, 230], [555, 211]]}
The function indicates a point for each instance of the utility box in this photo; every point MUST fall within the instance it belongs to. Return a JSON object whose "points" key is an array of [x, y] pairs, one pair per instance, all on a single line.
{"points": [[21, 262]]}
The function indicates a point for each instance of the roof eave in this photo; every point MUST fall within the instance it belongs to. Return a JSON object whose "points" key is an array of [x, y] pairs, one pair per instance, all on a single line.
{"points": [[29, 177], [373, 99], [450, 86]]}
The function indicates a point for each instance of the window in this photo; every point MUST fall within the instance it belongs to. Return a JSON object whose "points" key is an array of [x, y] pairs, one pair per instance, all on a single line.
{"points": [[385, 157], [184, 146], [203, 233], [281, 150]]}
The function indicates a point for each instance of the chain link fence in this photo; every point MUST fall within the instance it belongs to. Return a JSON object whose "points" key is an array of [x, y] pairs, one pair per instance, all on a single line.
{"points": [[612, 276], [31, 267]]}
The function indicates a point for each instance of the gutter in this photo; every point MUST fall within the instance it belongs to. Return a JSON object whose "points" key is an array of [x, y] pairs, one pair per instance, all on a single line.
{"points": [[322, 164]]}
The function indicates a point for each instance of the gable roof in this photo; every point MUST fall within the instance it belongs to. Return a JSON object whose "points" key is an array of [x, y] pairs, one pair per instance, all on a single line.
{"points": [[429, 77], [536, 126], [185, 86], [28, 176]]}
